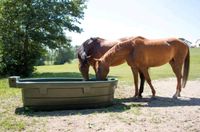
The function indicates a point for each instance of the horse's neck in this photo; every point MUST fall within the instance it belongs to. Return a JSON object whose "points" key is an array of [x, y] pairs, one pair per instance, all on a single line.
{"points": [[118, 53], [90, 46]]}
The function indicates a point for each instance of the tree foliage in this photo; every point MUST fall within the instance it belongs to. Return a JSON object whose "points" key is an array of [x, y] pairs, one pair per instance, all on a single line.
{"points": [[28, 26], [64, 55]]}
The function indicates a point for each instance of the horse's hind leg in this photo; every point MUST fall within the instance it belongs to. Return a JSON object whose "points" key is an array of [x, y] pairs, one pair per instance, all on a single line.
{"points": [[148, 79], [142, 80], [135, 75], [177, 67]]}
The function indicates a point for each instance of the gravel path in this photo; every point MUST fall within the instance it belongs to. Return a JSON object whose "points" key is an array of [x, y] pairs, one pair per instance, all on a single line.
{"points": [[167, 114], [162, 114]]}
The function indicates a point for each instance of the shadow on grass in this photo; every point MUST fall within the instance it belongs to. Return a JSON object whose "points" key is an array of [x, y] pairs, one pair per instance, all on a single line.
{"points": [[119, 105], [115, 108], [3, 77]]}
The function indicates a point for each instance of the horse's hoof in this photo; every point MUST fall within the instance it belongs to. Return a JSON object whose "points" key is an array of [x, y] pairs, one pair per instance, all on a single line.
{"points": [[140, 96], [153, 97], [135, 98], [175, 96]]}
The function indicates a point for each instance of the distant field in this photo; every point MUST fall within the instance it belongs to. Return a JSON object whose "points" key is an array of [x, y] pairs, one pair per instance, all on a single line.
{"points": [[122, 72]]}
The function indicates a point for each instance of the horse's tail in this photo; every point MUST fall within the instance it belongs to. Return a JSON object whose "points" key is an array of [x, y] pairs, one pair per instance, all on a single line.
{"points": [[186, 68]]}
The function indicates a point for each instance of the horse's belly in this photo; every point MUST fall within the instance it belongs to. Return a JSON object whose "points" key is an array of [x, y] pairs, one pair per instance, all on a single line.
{"points": [[158, 63], [154, 61], [158, 57]]}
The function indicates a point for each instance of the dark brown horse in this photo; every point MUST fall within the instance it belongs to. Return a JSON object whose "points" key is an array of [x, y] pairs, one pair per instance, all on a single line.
{"points": [[96, 48], [141, 54]]}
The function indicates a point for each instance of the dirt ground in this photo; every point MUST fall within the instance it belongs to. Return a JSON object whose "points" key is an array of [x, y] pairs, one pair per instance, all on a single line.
{"points": [[127, 115]]}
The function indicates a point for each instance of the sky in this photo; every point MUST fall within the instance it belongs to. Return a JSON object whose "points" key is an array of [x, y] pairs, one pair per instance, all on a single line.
{"points": [[113, 19]]}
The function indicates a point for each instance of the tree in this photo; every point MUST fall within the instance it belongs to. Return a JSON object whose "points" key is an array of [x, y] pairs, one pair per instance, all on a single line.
{"points": [[64, 55], [28, 26], [2, 65]]}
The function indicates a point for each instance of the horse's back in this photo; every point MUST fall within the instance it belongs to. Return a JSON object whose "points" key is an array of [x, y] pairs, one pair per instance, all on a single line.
{"points": [[159, 51], [165, 44], [152, 53]]}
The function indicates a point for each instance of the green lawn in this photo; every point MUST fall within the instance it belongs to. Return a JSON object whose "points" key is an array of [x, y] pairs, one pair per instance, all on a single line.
{"points": [[122, 72]]}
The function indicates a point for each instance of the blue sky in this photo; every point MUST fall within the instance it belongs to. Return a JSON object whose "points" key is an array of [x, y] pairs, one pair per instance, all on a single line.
{"points": [[112, 19]]}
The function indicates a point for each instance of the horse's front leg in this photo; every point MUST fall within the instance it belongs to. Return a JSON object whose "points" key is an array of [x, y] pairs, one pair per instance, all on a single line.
{"points": [[135, 75], [84, 69]]}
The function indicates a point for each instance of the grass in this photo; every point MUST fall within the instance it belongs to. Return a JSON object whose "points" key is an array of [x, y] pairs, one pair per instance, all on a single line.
{"points": [[12, 123], [123, 72], [10, 99]]}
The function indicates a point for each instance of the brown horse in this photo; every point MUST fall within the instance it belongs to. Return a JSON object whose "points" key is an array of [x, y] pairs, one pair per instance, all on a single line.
{"points": [[96, 48], [141, 54]]}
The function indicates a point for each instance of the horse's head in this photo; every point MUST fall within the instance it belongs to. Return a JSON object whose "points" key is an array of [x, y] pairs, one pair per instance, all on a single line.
{"points": [[101, 69]]}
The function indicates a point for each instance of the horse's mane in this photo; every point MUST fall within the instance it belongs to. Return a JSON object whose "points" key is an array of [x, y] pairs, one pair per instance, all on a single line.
{"points": [[120, 49], [117, 50], [82, 51]]}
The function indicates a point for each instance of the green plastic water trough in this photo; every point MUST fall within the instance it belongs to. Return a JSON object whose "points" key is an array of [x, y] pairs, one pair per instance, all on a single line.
{"points": [[64, 93]]}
